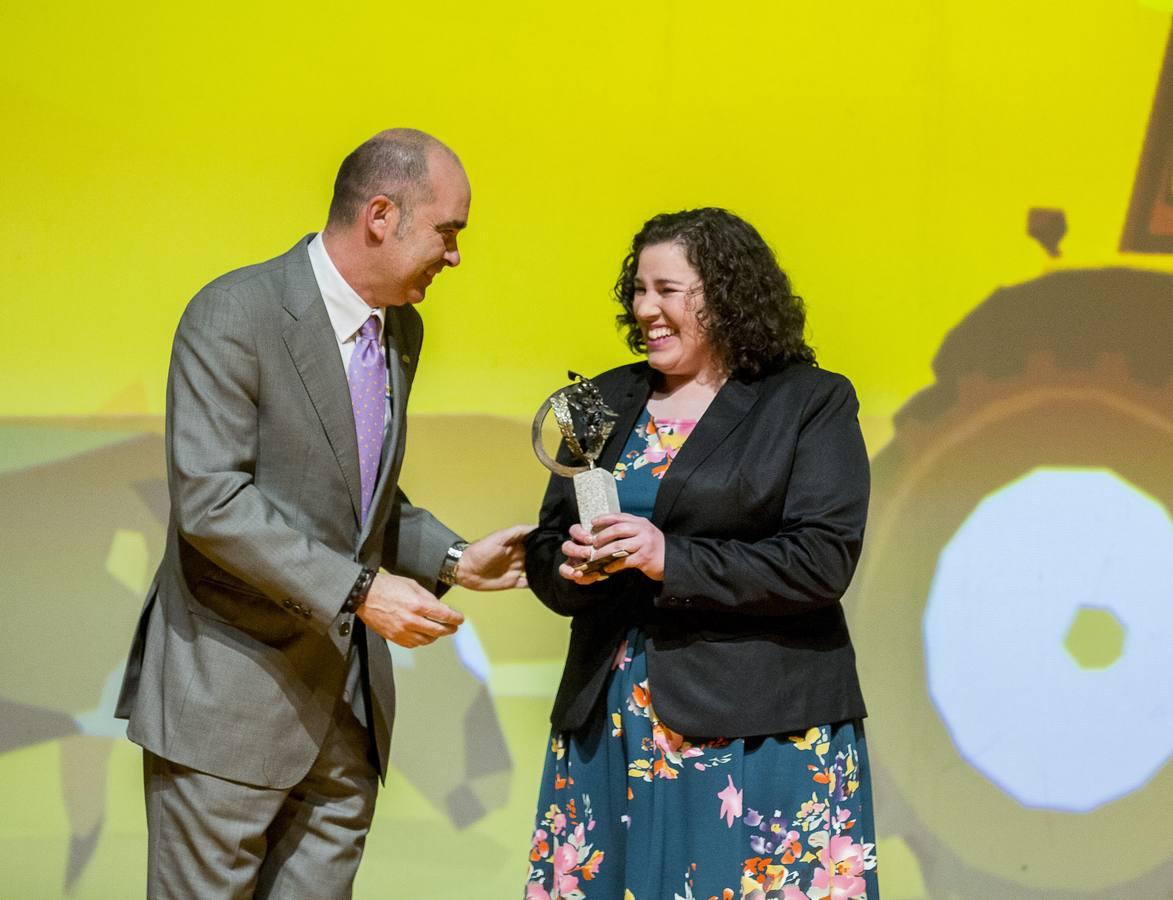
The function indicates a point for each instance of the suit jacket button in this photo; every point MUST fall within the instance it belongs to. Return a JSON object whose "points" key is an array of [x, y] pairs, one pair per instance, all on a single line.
{"points": [[688, 601], [307, 613], [406, 359], [344, 629], [288, 604], [671, 601]]}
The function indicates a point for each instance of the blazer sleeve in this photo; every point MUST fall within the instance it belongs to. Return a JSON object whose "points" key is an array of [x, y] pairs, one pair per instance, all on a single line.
{"points": [[416, 543], [810, 559], [212, 396]]}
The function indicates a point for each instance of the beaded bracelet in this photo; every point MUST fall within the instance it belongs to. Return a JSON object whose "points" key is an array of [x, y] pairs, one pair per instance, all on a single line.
{"points": [[358, 593]]}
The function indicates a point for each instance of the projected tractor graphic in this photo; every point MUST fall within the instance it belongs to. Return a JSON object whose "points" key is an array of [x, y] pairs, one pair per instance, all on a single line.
{"points": [[107, 504], [1016, 592]]}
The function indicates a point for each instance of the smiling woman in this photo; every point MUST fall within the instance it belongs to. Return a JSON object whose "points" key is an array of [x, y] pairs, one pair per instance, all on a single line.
{"points": [[669, 297], [707, 737], [750, 314]]}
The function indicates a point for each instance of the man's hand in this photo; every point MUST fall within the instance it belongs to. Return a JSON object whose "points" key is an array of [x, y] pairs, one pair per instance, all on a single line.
{"points": [[496, 562], [404, 613]]}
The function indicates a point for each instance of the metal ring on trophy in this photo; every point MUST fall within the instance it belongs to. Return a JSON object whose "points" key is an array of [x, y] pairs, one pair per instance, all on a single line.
{"points": [[586, 425], [552, 464]]}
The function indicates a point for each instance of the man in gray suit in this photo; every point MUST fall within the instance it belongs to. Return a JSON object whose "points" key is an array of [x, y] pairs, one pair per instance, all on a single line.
{"points": [[259, 682]]}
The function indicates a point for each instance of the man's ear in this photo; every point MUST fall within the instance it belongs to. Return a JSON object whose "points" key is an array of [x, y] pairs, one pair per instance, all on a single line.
{"points": [[381, 217]]}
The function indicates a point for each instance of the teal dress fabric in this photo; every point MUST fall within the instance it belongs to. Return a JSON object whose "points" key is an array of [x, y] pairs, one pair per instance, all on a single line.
{"points": [[630, 810]]}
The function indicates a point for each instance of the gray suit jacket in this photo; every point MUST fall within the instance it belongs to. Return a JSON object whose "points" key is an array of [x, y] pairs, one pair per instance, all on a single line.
{"points": [[241, 651]]}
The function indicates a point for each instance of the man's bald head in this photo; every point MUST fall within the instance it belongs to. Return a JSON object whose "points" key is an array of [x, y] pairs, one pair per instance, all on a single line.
{"points": [[393, 163]]}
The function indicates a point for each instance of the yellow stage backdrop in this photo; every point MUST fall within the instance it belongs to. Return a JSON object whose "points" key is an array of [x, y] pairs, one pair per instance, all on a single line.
{"points": [[1014, 611]]}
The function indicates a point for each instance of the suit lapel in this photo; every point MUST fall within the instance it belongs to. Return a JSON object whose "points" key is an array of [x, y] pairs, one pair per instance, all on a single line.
{"points": [[629, 403], [725, 413], [309, 338], [393, 336]]}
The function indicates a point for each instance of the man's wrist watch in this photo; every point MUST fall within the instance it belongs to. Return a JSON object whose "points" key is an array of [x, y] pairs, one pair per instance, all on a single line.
{"points": [[450, 567]]}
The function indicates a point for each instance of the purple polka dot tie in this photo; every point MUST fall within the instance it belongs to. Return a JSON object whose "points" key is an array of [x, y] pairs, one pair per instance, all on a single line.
{"points": [[367, 375]]}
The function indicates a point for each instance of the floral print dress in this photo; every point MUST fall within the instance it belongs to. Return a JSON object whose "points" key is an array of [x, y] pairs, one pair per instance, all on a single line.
{"points": [[630, 810]]}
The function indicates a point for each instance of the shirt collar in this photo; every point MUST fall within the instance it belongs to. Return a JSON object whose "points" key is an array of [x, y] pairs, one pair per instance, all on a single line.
{"points": [[346, 309]]}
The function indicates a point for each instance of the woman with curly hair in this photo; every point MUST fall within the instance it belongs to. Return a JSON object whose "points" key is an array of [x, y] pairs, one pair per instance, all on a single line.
{"points": [[707, 737]]}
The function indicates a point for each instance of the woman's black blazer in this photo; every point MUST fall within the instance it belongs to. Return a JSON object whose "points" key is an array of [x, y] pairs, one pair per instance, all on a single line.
{"points": [[763, 514]]}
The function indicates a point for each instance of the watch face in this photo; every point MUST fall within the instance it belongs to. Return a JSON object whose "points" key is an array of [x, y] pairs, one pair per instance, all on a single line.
{"points": [[451, 560]]}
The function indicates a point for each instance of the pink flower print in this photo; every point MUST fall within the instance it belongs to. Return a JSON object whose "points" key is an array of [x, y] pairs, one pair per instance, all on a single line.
{"points": [[674, 747], [559, 823], [534, 891], [667, 741], [565, 859], [846, 855], [837, 878], [790, 892], [730, 803], [655, 454], [565, 862], [539, 846], [578, 837], [836, 887], [812, 813], [621, 658]]}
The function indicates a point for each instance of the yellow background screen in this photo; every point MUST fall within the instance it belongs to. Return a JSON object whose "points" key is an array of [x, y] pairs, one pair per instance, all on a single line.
{"points": [[888, 152]]}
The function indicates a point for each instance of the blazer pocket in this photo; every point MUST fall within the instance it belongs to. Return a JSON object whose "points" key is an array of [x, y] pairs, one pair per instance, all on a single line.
{"points": [[232, 583], [243, 608]]}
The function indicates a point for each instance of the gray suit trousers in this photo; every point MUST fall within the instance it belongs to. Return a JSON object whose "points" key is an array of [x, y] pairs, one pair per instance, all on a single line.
{"points": [[213, 838]]}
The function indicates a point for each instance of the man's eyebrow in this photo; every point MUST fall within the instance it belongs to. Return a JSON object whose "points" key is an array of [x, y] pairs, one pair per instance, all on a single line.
{"points": [[452, 225]]}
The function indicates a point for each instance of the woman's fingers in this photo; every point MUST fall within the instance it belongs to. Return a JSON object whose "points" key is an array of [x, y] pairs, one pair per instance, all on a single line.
{"points": [[571, 574], [620, 531], [576, 551], [607, 519], [625, 545]]}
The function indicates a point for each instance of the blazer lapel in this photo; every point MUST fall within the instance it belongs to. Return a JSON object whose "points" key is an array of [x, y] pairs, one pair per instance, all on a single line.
{"points": [[725, 413], [309, 338], [629, 403], [393, 337]]}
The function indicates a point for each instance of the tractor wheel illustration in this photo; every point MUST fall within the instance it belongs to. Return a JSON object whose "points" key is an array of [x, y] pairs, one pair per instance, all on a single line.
{"points": [[1015, 600]]}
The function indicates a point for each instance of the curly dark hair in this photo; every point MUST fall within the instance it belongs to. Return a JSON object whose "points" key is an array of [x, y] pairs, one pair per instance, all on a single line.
{"points": [[751, 317]]}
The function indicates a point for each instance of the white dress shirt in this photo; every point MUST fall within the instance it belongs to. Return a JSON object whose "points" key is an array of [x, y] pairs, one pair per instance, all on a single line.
{"points": [[346, 309]]}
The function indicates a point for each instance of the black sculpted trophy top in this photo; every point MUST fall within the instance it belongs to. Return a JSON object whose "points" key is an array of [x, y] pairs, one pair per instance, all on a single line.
{"points": [[585, 422]]}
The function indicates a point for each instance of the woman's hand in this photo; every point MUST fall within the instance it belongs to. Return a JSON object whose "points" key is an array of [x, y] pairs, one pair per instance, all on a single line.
{"points": [[639, 538], [642, 541], [578, 550]]}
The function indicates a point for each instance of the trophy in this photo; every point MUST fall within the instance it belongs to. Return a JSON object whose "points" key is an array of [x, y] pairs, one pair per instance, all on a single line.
{"points": [[585, 422]]}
